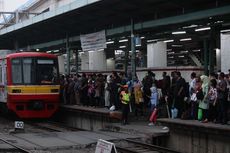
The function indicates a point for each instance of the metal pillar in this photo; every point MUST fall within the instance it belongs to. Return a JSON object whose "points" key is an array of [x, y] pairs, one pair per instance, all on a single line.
{"points": [[212, 44], [68, 54], [76, 61], [126, 61], [16, 46], [205, 56], [133, 59]]}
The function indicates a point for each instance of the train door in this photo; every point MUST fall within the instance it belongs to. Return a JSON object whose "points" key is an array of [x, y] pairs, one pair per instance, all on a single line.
{"points": [[3, 83]]}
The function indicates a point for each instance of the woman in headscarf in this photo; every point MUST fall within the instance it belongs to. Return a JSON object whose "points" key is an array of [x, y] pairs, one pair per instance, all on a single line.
{"points": [[107, 91], [204, 103]]}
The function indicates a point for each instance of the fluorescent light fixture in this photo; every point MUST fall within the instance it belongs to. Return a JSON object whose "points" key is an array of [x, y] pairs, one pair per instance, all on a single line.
{"points": [[177, 45], [228, 30], [109, 42], [138, 45], [122, 47], [143, 37], [123, 40], [182, 56], [184, 51], [186, 39], [168, 41], [171, 57], [37, 50], [49, 51], [152, 40], [179, 32], [191, 26], [203, 29], [169, 53], [196, 50], [118, 52]]}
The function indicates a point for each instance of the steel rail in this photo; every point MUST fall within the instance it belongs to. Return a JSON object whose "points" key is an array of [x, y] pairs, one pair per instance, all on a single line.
{"points": [[15, 146], [153, 147]]}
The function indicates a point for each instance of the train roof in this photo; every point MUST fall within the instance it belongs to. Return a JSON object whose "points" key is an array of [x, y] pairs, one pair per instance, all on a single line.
{"points": [[30, 54]]}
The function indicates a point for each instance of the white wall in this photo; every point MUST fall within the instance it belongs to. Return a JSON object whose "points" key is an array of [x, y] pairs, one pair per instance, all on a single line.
{"points": [[156, 54], [84, 61], [225, 52], [110, 64], [97, 60]]}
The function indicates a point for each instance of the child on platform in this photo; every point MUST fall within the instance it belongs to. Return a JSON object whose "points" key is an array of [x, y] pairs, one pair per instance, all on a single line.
{"points": [[153, 104]]}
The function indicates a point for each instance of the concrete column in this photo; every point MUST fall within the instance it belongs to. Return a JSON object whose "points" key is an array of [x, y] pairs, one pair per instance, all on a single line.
{"points": [[218, 59], [110, 64], [156, 54], [84, 60], [97, 60], [68, 54], [225, 52]]}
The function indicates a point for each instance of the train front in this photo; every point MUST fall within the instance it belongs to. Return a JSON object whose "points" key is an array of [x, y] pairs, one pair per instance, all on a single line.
{"points": [[32, 84]]}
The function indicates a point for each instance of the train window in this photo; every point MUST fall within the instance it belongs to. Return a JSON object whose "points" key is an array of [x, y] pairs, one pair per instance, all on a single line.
{"points": [[27, 69], [47, 69], [16, 71]]}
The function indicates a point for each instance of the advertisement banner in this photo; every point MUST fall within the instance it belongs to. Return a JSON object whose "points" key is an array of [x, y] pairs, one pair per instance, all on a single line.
{"points": [[94, 41]]}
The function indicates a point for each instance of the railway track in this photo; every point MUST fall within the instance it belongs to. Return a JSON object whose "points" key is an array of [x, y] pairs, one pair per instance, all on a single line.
{"points": [[51, 126], [139, 147], [17, 149]]}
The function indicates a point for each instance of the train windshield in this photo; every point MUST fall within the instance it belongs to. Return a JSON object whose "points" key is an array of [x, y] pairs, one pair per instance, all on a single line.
{"points": [[34, 71]]}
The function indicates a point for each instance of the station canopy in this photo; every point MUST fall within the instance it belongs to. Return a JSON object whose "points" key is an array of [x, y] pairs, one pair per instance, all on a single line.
{"points": [[154, 20]]}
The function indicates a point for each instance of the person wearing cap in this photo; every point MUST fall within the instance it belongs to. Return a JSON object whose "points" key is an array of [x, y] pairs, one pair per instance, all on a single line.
{"points": [[125, 99]]}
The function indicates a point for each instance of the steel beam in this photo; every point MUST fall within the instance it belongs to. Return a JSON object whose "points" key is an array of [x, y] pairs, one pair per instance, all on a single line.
{"points": [[152, 24], [172, 20]]}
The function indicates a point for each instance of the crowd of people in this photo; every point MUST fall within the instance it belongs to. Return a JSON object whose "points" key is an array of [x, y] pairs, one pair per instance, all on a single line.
{"points": [[205, 98]]}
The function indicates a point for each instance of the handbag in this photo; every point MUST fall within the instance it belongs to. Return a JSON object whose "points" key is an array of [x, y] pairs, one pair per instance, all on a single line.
{"points": [[200, 114]]}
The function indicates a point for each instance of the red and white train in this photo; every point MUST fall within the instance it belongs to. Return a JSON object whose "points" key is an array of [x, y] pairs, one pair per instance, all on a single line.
{"points": [[29, 84]]}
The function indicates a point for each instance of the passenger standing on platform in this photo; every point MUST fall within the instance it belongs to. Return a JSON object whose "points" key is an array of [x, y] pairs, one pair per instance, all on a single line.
{"points": [[212, 94], [192, 94], [107, 91], [147, 84], [62, 88], [114, 94], [165, 85], [76, 90], [222, 99], [84, 90], [91, 92], [154, 100], [195, 98], [71, 91], [125, 99], [204, 103], [179, 94], [99, 88], [138, 97]]}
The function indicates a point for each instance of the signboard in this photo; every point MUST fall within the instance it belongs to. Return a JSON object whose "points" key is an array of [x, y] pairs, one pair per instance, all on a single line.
{"points": [[94, 41], [105, 147], [19, 125]]}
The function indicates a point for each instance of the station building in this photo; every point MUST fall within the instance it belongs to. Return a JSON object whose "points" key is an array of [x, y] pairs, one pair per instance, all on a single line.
{"points": [[184, 36]]}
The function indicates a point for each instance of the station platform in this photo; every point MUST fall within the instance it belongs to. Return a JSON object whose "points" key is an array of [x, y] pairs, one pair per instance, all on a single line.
{"points": [[195, 136]]}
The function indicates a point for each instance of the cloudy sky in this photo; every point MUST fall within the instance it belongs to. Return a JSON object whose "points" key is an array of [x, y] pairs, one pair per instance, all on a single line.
{"points": [[11, 5]]}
